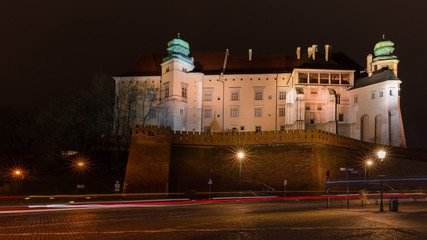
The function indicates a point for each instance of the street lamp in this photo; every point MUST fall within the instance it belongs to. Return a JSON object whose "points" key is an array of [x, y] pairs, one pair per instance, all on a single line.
{"points": [[368, 164], [381, 156], [240, 157]]}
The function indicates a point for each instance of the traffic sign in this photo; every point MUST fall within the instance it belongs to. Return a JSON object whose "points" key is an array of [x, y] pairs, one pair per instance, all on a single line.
{"points": [[210, 181], [346, 169], [117, 186]]}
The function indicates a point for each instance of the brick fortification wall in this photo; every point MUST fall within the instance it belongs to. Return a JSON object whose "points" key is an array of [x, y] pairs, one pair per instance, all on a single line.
{"points": [[300, 157], [149, 158]]}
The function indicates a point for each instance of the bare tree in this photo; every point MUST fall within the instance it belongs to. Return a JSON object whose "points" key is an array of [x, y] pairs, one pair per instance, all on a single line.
{"points": [[135, 103]]}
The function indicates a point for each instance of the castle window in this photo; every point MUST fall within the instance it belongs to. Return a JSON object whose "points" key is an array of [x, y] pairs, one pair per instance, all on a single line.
{"points": [[132, 95], [282, 128], [314, 78], [234, 112], [152, 113], [207, 113], [181, 111], [381, 94], [235, 94], [184, 90], [207, 94], [207, 129], [324, 78], [282, 94], [391, 92], [259, 93], [356, 99], [166, 90], [345, 78], [258, 129], [319, 108], [258, 111], [312, 118], [340, 117], [373, 95], [338, 99], [302, 78], [152, 95], [282, 111], [335, 78], [242, 128]]}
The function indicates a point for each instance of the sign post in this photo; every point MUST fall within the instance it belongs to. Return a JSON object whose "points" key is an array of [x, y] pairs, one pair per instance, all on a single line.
{"points": [[210, 182], [117, 187], [348, 171]]}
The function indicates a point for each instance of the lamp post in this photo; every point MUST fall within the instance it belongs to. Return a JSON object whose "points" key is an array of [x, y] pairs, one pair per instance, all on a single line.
{"points": [[368, 164], [81, 167], [240, 157], [381, 156]]}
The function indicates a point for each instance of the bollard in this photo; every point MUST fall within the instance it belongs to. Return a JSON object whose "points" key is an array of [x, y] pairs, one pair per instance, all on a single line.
{"points": [[393, 204]]}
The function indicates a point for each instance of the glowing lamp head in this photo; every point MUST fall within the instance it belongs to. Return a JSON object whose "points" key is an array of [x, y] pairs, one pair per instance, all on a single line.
{"points": [[369, 163], [17, 172], [80, 164], [240, 155], [381, 154]]}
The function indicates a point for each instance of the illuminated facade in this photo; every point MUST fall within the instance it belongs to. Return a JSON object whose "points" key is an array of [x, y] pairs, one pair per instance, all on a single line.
{"points": [[214, 92]]}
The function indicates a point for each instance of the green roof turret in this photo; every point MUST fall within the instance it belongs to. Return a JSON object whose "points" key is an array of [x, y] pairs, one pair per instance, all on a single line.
{"points": [[178, 48], [383, 50]]}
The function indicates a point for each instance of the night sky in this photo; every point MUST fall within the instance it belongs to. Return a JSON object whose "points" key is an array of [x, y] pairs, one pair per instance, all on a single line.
{"points": [[49, 46]]}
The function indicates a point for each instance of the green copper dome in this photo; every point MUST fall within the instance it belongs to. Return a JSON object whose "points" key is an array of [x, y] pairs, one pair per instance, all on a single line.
{"points": [[178, 48], [384, 50]]}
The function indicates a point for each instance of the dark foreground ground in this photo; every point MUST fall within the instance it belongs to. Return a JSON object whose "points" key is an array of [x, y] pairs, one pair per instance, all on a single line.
{"points": [[238, 220]]}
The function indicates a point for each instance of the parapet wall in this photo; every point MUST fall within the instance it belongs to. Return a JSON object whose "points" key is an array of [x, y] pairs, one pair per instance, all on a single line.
{"points": [[270, 137], [161, 160]]}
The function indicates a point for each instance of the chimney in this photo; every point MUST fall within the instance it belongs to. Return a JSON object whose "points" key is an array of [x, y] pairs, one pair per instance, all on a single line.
{"points": [[369, 64], [327, 52], [250, 54], [298, 52], [309, 51], [314, 47]]}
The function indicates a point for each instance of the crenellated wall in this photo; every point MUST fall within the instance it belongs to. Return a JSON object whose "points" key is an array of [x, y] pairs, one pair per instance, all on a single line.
{"points": [[164, 161]]}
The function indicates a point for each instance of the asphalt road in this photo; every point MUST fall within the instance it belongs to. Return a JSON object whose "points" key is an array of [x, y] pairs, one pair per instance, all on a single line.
{"points": [[239, 220]]}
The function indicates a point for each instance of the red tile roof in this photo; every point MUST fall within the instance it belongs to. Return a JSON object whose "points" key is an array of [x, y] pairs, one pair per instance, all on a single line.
{"points": [[211, 63]]}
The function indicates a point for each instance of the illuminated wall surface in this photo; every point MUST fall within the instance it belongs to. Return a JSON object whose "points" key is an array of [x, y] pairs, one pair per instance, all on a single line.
{"points": [[164, 161], [219, 92]]}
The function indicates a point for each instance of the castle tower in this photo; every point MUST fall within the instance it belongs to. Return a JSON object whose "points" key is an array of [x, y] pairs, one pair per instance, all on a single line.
{"points": [[383, 57], [175, 84], [376, 99]]}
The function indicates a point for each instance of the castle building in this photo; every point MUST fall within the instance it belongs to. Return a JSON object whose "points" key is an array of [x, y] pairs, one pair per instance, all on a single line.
{"points": [[216, 92]]}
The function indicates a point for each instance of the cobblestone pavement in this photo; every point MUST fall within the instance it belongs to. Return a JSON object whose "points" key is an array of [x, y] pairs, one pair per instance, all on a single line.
{"points": [[268, 220]]}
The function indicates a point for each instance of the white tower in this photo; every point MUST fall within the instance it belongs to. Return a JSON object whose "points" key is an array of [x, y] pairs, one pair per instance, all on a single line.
{"points": [[175, 85]]}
